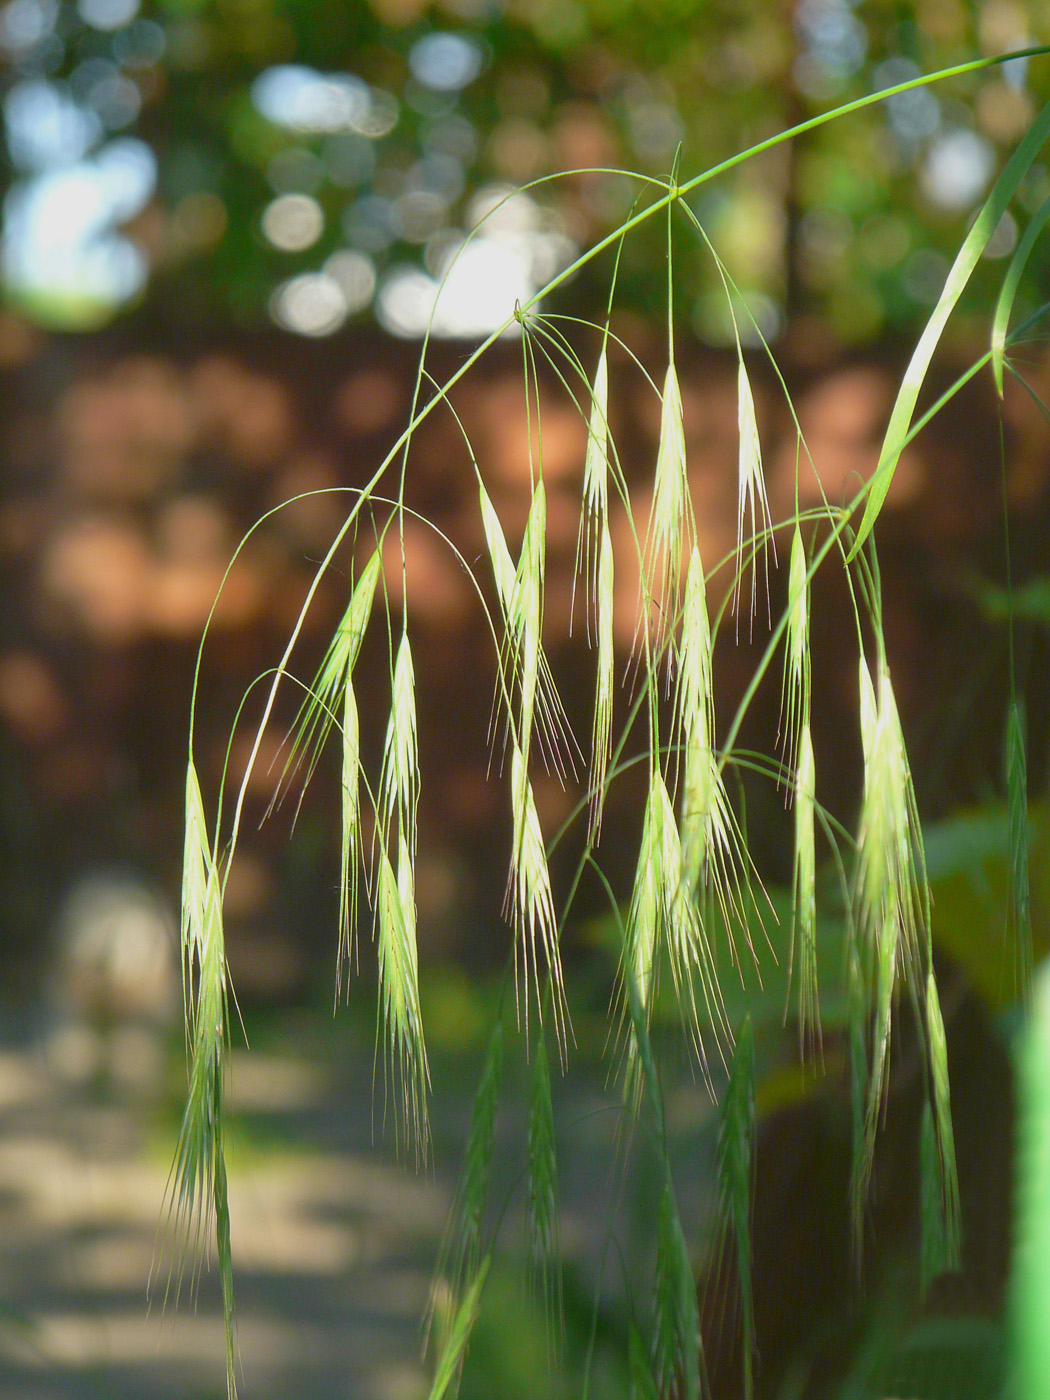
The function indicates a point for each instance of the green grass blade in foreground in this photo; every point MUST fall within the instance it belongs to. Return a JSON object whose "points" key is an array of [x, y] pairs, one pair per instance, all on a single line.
{"points": [[542, 1212], [455, 1348], [1003, 307], [1030, 1282], [966, 260], [735, 1163]]}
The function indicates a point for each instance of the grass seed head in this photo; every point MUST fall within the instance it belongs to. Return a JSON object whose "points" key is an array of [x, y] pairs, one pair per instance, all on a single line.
{"points": [[671, 525], [752, 502], [400, 774]]}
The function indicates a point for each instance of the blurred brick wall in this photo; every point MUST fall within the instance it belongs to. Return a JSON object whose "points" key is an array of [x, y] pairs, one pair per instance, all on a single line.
{"points": [[132, 467]]}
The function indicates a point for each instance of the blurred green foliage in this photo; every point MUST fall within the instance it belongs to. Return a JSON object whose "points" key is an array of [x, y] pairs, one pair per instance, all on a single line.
{"points": [[446, 105]]}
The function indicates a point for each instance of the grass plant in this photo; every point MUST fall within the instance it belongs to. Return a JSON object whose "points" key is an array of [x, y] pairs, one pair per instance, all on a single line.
{"points": [[696, 911]]}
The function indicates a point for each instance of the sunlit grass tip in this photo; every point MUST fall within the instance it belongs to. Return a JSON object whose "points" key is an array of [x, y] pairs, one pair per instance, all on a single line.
{"points": [[804, 943], [752, 502], [400, 1015], [671, 525], [324, 701], [797, 682], [399, 781], [350, 835], [530, 902]]}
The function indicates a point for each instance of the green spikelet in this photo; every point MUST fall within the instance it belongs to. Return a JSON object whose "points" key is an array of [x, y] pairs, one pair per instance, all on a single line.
{"points": [[735, 1166], [677, 1322], [450, 1362], [948, 1179], [542, 1212]]}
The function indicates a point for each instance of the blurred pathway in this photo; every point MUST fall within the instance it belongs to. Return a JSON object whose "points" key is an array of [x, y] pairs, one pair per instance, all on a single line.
{"points": [[333, 1244]]}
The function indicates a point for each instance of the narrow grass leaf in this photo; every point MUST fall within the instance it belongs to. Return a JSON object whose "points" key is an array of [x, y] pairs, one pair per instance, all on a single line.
{"points": [[1019, 904], [966, 260], [1008, 291], [735, 1175], [542, 1205], [450, 1363]]}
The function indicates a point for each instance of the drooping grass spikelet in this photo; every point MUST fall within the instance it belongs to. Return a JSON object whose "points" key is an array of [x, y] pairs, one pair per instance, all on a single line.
{"points": [[196, 865], [892, 901], [197, 1192], [527, 613], [712, 854], [477, 1167], [663, 913], [325, 699], [605, 683], [519, 589], [805, 890], [752, 501], [671, 524], [1019, 908], [542, 1203], [948, 1178], [401, 1020], [499, 555], [350, 811], [643, 1386], [530, 899], [795, 694], [735, 1170], [677, 1346], [594, 516], [399, 781]]}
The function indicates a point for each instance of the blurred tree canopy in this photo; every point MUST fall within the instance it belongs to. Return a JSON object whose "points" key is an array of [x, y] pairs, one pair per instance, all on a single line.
{"points": [[315, 162]]}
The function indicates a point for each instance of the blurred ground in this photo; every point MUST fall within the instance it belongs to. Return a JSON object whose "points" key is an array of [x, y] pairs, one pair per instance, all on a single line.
{"points": [[335, 1242], [334, 1247]]}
